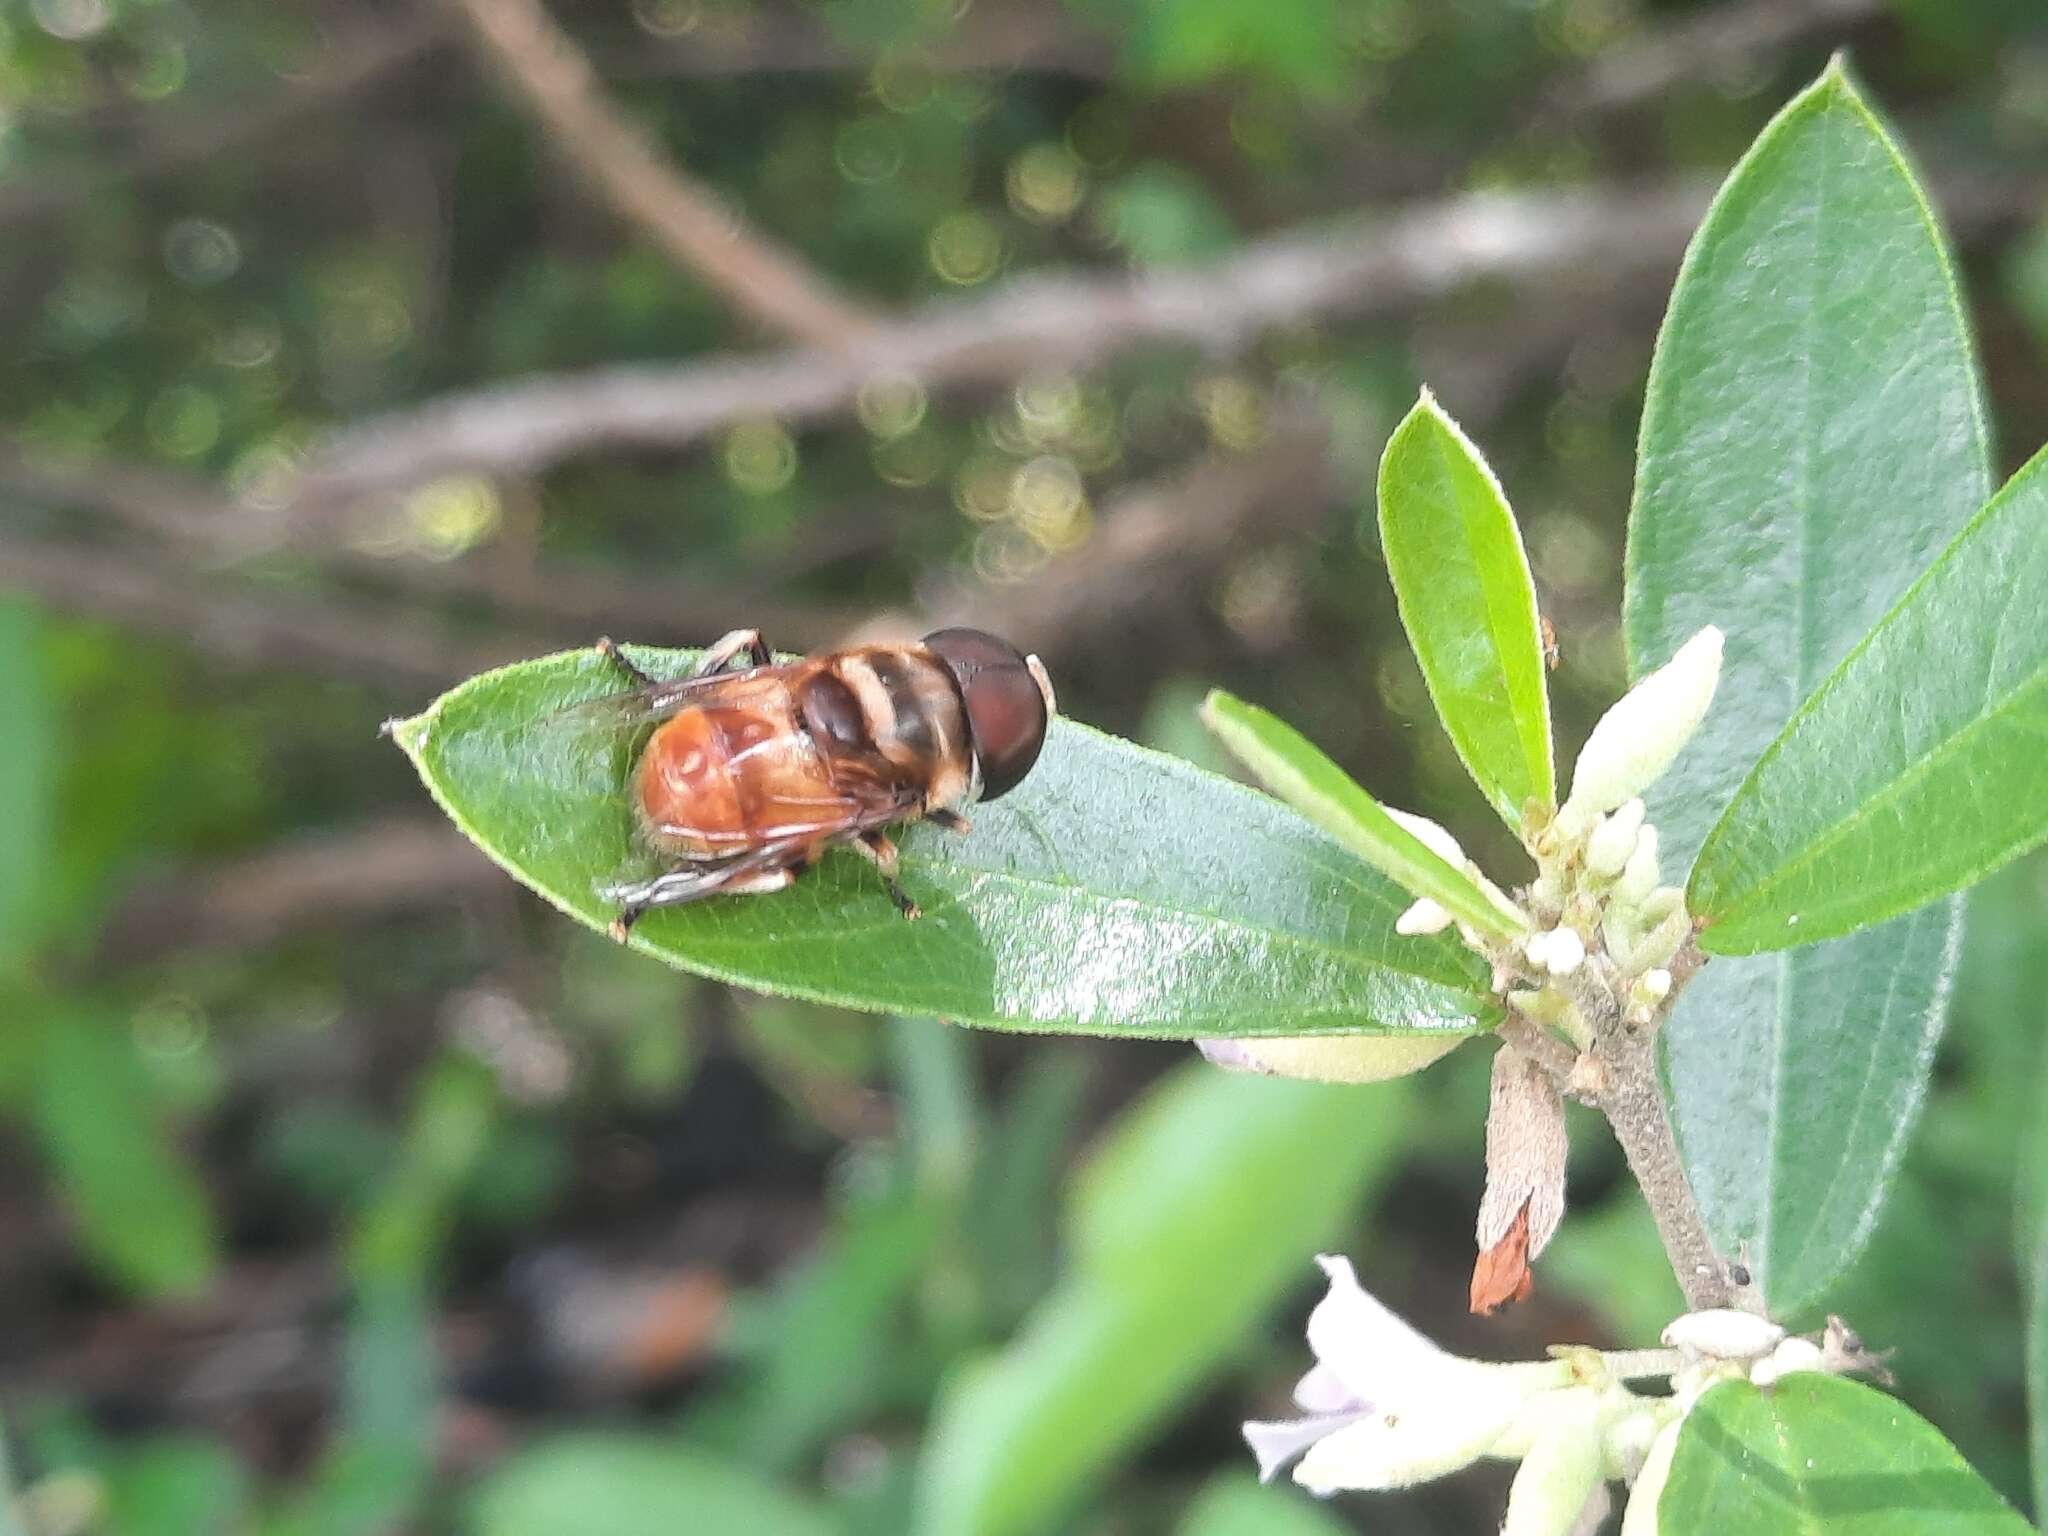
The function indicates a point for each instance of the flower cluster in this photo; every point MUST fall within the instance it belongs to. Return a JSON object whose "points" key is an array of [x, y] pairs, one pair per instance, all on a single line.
{"points": [[1383, 1407]]}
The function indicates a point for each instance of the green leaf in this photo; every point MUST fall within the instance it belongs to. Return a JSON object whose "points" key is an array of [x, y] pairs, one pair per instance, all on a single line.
{"points": [[2036, 1276], [1811, 438], [1292, 767], [1916, 768], [1116, 891], [1237, 1504], [141, 1211], [1198, 1214], [631, 1485], [1462, 581], [28, 782], [1820, 1456], [173, 1485]]}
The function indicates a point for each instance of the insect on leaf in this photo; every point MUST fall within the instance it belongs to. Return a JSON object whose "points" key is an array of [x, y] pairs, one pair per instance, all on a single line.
{"points": [[1115, 891]]}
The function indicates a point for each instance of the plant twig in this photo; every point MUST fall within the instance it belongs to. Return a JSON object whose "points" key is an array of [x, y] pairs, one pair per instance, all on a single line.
{"points": [[1620, 1078], [679, 214], [1042, 322]]}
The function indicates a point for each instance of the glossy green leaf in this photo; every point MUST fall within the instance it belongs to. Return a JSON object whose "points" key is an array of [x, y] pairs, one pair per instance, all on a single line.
{"points": [[1197, 1215], [1116, 891], [140, 1210], [1237, 1504], [1811, 438], [1916, 768], [1294, 768], [1822, 1456], [1462, 581], [634, 1485]]}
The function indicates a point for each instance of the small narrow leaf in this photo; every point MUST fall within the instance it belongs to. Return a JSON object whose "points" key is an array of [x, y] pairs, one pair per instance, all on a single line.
{"points": [[1820, 1456], [1462, 581], [141, 1210], [1292, 767], [1916, 768], [1115, 891], [1811, 438], [1182, 1231]]}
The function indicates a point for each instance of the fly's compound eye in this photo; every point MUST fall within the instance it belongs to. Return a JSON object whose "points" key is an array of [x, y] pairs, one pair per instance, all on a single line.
{"points": [[1008, 700]]}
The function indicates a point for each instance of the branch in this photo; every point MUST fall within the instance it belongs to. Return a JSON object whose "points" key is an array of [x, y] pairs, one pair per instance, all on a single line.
{"points": [[680, 215], [1705, 45], [551, 603], [1036, 323], [245, 625], [315, 882]]}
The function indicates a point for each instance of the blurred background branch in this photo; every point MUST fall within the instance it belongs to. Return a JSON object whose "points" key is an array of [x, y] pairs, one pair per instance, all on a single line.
{"points": [[681, 215]]}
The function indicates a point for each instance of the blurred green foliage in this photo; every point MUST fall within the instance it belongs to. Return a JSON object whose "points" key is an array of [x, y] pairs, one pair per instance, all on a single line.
{"points": [[435, 1213]]}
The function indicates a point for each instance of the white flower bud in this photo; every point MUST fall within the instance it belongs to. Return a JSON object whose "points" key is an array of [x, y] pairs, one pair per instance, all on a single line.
{"points": [[1639, 736], [1793, 1354], [1563, 952], [1639, 876], [1655, 949], [1723, 1333], [1561, 1471], [1332, 1058], [1424, 917], [1640, 1518], [1431, 836], [1614, 839], [1655, 986]]}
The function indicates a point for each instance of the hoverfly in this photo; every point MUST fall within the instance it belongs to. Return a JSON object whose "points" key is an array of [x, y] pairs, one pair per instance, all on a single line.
{"points": [[754, 769]]}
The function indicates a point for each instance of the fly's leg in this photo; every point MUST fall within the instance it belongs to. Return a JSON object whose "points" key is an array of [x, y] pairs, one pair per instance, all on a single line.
{"points": [[751, 876], [952, 821], [879, 851], [729, 648], [609, 650]]}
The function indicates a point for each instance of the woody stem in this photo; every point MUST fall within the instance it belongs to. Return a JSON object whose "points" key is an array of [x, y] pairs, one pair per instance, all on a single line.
{"points": [[1627, 1090]]}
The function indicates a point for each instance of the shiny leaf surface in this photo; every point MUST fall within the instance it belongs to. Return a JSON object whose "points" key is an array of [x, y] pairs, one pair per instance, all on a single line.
{"points": [[1292, 767], [1811, 438], [1822, 1456], [1462, 580], [1116, 891], [1916, 768]]}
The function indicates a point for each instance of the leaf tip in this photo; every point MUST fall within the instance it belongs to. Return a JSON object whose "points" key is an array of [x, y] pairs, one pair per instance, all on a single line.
{"points": [[409, 732]]}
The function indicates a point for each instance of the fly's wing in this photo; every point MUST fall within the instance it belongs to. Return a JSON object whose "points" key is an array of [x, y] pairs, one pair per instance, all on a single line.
{"points": [[663, 700]]}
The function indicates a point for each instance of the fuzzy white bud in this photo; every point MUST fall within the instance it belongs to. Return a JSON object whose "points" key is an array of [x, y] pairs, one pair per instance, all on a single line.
{"points": [[1794, 1354], [1433, 837], [1646, 728], [1424, 917], [1723, 1333], [1639, 876], [1640, 1518], [1614, 839], [1563, 952], [1654, 985], [1331, 1058]]}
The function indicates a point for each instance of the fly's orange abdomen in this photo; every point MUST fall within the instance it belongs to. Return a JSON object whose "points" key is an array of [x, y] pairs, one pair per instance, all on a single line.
{"points": [[721, 778]]}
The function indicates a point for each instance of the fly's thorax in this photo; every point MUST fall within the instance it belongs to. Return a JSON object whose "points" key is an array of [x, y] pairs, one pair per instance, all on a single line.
{"points": [[910, 717]]}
